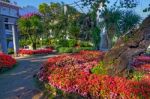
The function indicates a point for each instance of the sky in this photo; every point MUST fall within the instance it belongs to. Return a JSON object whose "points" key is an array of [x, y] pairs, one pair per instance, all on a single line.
{"points": [[35, 3]]}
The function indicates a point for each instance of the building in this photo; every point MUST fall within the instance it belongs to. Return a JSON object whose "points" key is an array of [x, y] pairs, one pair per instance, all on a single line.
{"points": [[9, 14]]}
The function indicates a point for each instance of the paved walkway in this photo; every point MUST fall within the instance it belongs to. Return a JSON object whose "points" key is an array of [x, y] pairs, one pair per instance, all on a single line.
{"points": [[18, 83]]}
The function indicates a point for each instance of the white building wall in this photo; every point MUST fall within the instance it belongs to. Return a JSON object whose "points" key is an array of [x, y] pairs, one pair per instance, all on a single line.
{"points": [[8, 11], [8, 18]]}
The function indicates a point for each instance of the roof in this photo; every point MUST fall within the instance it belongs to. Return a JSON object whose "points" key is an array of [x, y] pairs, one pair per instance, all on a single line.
{"points": [[2, 3]]}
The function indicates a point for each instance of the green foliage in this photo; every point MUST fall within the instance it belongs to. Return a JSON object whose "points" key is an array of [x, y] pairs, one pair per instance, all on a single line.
{"points": [[63, 43], [72, 49], [10, 51], [85, 48], [100, 69], [24, 42], [31, 26], [137, 75], [72, 43], [65, 50], [85, 44], [129, 20], [94, 4], [51, 92], [75, 50], [147, 9], [44, 8], [112, 18], [96, 37], [61, 24], [118, 22]]}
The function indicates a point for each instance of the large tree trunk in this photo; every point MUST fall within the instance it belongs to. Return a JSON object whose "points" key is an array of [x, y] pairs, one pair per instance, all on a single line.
{"points": [[119, 58]]}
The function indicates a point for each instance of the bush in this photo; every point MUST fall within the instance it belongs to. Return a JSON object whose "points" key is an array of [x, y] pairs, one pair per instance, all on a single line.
{"points": [[65, 50], [85, 44], [72, 49], [86, 48], [63, 43], [75, 50], [72, 43], [10, 51]]}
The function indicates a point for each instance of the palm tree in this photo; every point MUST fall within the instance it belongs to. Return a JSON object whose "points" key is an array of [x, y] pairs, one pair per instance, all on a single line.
{"points": [[119, 22], [129, 20]]}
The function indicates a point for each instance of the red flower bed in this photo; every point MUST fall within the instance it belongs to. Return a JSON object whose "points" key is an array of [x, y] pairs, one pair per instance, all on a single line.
{"points": [[6, 61], [142, 63], [31, 52], [71, 73]]}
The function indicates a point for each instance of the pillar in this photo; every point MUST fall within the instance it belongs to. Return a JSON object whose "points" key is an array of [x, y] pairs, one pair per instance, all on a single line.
{"points": [[15, 39]]}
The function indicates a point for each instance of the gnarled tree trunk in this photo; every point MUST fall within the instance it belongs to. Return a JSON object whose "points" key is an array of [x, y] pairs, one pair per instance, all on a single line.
{"points": [[119, 58]]}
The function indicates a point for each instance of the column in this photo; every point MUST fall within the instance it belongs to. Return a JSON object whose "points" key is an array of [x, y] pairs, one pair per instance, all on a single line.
{"points": [[15, 39]]}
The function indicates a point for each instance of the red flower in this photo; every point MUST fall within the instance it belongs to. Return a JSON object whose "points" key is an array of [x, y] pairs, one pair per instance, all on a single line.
{"points": [[6, 61], [31, 52], [71, 73], [142, 63]]}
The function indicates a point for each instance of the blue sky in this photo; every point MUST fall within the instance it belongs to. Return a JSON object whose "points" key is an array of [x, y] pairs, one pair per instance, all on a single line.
{"points": [[35, 3]]}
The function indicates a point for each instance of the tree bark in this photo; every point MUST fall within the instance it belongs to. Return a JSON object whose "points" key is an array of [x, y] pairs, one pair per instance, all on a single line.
{"points": [[118, 59]]}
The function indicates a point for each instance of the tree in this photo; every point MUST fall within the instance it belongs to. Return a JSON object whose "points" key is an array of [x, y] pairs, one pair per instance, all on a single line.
{"points": [[132, 44], [123, 3], [119, 22], [61, 23], [147, 9], [30, 25], [129, 20]]}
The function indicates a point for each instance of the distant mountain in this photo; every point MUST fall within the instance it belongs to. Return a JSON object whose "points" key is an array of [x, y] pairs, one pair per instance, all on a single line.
{"points": [[28, 9]]}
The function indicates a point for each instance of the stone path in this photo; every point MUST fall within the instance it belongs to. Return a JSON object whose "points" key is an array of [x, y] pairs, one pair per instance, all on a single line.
{"points": [[18, 83]]}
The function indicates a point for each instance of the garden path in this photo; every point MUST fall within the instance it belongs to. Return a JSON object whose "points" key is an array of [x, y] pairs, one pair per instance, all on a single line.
{"points": [[19, 83]]}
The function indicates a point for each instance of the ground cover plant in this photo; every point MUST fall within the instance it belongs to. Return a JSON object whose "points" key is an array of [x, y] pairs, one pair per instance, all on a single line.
{"points": [[72, 74], [32, 52]]}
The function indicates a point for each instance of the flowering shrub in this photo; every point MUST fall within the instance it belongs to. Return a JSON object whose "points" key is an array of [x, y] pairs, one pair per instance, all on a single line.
{"points": [[31, 52], [29, 15], [6, 61], [71, 73]]}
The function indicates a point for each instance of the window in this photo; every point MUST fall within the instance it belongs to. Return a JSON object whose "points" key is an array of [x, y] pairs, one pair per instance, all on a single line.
{"points": [[6, 26], [6, 20]]}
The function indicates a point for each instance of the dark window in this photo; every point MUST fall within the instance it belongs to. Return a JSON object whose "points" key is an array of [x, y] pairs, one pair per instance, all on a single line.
{"points": [[6, 26], [6, 20]]}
